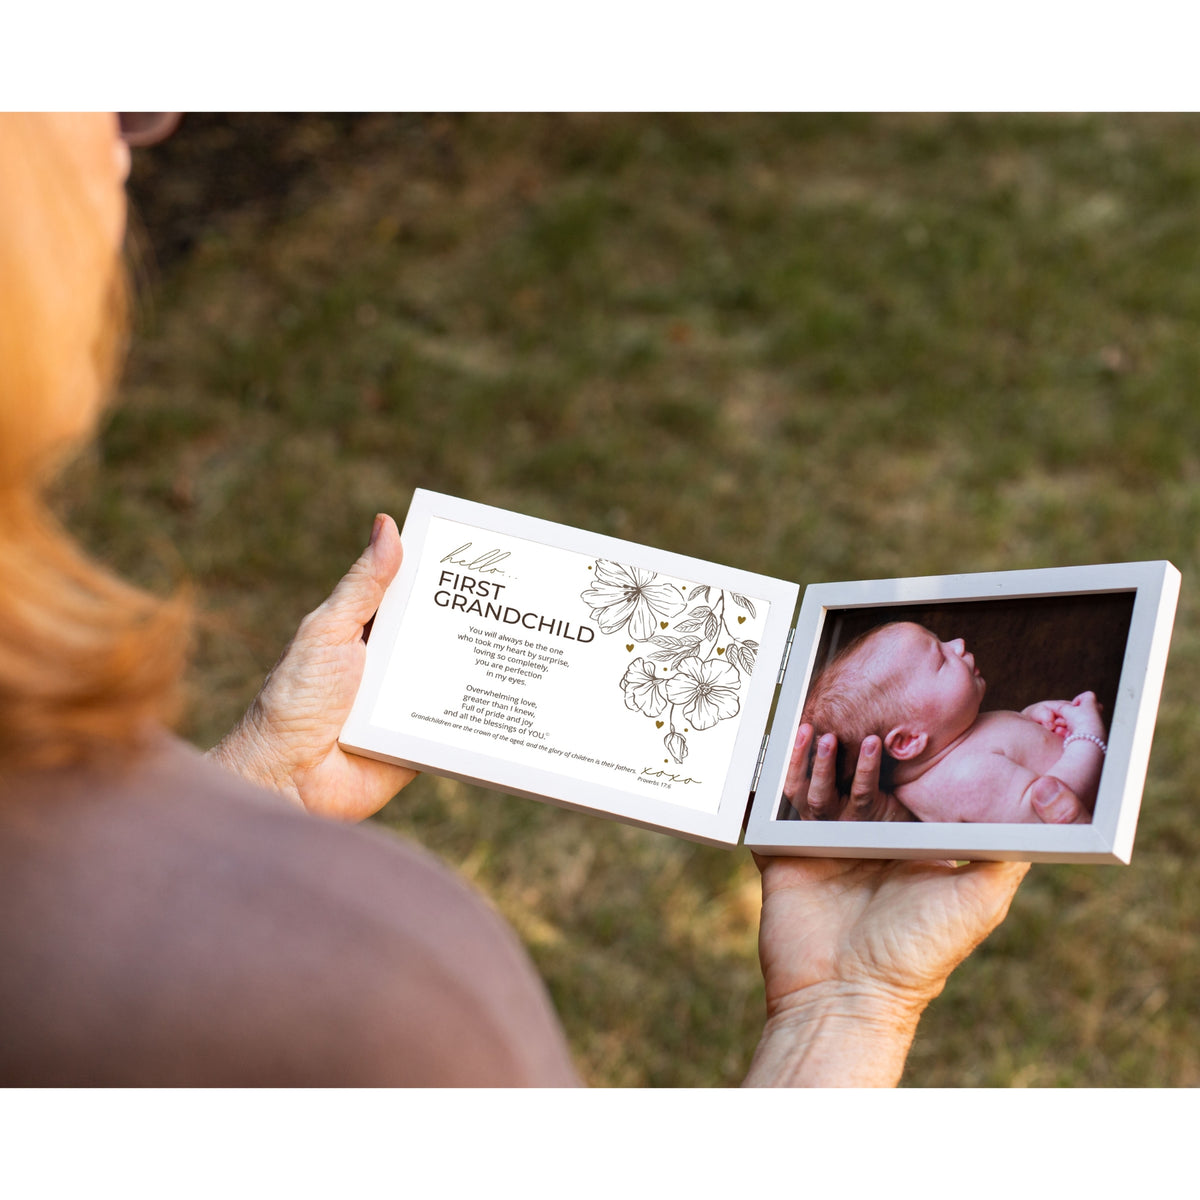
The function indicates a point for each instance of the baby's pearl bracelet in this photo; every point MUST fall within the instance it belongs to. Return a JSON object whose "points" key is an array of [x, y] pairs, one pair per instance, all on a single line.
{"points": [[1085, 737]]}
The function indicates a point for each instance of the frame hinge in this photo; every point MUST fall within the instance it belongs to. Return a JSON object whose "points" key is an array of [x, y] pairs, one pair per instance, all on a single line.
{"points": [[758, 766], [787, 653]]}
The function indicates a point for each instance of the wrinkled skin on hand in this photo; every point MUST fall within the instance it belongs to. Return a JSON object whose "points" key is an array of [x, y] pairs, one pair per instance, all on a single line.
{"points": [[888, 927], [853, 950], [287, 739]]}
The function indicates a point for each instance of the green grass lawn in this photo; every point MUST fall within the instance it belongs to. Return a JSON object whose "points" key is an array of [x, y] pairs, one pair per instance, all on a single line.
{"points": [[819, 348]]}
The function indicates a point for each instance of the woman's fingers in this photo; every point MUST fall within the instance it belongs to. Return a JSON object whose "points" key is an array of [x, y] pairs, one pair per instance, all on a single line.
{"points": [[864, 791], [1055, 803], [811, 784], [813, 791], [823, 799], [357, 596], [795, 784]]}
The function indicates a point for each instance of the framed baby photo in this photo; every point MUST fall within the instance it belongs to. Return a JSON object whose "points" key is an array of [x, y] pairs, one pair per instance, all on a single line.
{"points": [[1012, 713]]}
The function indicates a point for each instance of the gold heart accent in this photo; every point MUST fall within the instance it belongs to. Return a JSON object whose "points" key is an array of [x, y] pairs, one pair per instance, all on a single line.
{"points": [[658, 724], [720, 649], [628, 645], [662, 624], [741, 620]]}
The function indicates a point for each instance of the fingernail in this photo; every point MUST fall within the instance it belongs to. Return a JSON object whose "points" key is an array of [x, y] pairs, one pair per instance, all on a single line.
{"points": [[376, 527], [1045, 789], [870, 747], [825, 746]]}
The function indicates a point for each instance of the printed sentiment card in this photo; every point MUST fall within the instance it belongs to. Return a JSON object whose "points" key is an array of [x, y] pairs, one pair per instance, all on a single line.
{"points": [[634, 678], [555, 663]]}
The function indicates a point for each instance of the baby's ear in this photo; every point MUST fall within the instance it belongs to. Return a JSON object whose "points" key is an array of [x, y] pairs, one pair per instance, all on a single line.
{"points": [[904, 743]]}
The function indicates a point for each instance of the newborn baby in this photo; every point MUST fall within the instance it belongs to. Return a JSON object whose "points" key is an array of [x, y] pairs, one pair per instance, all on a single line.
{"points": [[943, 759]]}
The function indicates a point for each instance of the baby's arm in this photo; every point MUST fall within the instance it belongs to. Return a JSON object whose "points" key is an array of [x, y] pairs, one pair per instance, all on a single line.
{"points": [[990, 786], [1084, 746], [983, 786]]}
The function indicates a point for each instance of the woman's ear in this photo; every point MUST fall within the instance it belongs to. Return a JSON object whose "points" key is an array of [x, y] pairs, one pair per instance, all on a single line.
{"points": [[904, 743]]}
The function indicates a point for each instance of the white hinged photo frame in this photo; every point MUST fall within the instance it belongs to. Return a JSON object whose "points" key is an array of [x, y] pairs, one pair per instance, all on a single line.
{"points": [[1103, 628]]}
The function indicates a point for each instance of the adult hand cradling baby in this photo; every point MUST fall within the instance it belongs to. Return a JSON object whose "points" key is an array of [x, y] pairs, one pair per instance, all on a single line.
{"points": [[811, 787]]}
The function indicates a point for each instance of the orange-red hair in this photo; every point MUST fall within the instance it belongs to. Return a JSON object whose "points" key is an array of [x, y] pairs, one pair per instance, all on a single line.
{"points": [[88, 663]]}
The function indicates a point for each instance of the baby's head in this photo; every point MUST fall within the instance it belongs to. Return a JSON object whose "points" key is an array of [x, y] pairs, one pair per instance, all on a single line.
{"points": [[899, 682]]}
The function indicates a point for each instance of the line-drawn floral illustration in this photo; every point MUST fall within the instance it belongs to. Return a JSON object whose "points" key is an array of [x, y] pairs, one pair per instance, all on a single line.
{"points": [[688, 680], [621, 596], [707, 692], [644, 691]]}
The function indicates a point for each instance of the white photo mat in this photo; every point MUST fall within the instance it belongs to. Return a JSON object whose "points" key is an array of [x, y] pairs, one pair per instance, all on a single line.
{"points": [[503, 655], [1109, 836]]}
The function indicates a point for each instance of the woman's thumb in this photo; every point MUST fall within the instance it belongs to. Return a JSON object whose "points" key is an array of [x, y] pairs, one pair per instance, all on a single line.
{"points": [[359, 592]]}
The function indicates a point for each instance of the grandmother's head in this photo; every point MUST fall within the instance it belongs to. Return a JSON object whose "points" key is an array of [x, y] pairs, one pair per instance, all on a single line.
{"points": [[62, 220], [88, 663]]}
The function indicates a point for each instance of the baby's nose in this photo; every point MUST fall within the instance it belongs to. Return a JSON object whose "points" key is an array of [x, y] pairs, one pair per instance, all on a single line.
{"points": [[959, 646]]}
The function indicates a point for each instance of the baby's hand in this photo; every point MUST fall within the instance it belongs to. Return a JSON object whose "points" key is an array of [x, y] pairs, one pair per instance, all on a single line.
{"points": [[1084, 715], [1049, 714]]}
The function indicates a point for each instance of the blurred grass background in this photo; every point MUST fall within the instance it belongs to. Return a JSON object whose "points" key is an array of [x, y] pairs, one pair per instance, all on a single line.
{"points": [[814, 347]]}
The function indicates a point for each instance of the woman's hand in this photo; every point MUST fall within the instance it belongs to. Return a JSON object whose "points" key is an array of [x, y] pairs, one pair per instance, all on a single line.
{"points": [[288, 738], [815, 796], [852, 952], [1056, 804]]}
